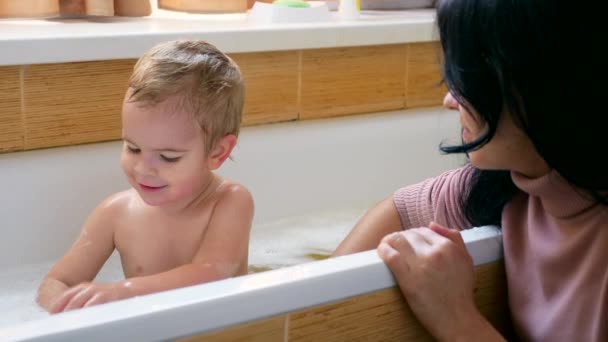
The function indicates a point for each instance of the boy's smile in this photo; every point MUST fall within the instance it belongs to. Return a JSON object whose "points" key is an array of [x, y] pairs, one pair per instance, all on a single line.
{"points": [[151, 188], [164, 155]]}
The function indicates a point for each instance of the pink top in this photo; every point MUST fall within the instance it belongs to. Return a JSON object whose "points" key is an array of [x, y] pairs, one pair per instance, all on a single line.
{"points": [[555, 245]]}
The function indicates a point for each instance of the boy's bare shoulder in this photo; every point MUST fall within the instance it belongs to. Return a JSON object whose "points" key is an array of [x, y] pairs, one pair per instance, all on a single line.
{"points": [[115, 205], [234, 197], [232, 192]]}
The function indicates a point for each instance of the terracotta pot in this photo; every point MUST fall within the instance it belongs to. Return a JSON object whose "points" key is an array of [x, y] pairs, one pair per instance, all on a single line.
{"points": [[132, 8], [29, 8], [77, 8], [251, 2], [204, 6]]}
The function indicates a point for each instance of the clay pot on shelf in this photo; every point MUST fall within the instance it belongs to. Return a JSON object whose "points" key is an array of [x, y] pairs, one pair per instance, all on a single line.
{"points": [[205, 6], [81, 8], [132, 8], [28, 8]]}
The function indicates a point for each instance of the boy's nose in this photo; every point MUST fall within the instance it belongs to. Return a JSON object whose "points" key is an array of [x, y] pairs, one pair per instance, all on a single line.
{"points": [[143, 169], [450, 102]]}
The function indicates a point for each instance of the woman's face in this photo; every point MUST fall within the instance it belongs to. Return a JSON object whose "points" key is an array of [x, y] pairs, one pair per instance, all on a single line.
{"points": [[509, 149]]}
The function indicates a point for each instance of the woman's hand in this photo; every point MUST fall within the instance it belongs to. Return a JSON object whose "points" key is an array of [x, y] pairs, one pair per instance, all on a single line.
{"points": [[89, 294], [436, 275]]}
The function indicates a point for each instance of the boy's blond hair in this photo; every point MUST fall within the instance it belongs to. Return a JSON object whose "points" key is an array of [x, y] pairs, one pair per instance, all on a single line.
{"points": [[208, 82]]}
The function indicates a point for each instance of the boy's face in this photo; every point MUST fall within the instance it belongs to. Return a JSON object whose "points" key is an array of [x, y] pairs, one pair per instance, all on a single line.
{"points": [[163, 155]]}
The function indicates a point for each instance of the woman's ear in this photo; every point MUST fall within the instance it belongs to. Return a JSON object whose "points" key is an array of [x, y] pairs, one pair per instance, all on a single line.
{"points": [[221, 151]]}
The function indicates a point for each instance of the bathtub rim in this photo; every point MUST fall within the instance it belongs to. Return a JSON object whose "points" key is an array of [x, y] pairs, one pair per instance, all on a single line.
{"points": [[182, 312]]}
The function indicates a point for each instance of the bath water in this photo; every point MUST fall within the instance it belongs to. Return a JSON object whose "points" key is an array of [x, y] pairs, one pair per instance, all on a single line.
{"points": [[280, 243]]}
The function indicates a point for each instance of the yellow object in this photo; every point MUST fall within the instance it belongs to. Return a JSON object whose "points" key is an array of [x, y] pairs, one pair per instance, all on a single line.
{"points": [[358, 5]]}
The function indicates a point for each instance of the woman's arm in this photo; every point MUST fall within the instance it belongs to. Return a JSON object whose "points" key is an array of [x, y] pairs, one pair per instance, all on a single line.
{"points": [[379, 221]]}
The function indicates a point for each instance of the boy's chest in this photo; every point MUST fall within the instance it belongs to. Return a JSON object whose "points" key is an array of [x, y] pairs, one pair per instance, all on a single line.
{"points": [[156, 245]]}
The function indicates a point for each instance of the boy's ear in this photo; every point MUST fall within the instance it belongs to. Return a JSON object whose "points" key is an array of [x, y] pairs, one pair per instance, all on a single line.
{"points": [[221, 151]]}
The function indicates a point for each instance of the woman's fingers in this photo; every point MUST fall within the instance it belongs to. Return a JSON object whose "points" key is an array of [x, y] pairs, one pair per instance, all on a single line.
{"points": [[393, 250], [453, 235]]}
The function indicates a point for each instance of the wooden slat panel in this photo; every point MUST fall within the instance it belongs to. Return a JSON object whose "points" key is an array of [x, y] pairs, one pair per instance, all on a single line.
{"points": [[491, 297], [380, 316], [271, 79], [352, 80], [269, 330], [74, 103], [424, 86], [385, 316], [11, 125]]}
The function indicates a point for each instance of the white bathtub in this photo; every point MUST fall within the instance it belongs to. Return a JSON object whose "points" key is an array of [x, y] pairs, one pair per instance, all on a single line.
{"points": [[310, 180]]}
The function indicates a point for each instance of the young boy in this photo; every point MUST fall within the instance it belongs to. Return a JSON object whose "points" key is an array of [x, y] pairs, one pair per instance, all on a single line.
{"points": [[179, 224]]}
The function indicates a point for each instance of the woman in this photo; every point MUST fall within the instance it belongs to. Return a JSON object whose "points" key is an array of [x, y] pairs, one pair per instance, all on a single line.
{"points": [[528, 80]]}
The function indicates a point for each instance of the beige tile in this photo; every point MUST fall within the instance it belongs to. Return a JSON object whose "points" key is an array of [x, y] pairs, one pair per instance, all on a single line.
{"points": [[11, 125], [74, 103], [271, 79], [352, 80], [424, 87], [268, 330]]}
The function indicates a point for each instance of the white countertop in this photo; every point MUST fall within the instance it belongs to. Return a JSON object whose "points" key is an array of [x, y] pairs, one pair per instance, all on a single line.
{"points": [[35, 41]]}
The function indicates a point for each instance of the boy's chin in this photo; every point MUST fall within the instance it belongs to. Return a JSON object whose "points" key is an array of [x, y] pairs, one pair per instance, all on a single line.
{"points": [[154, 200]]}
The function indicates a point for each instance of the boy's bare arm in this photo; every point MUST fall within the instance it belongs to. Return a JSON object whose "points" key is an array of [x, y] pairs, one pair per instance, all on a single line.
{"points": [[378, 222], [84, 259], [222, 254]]}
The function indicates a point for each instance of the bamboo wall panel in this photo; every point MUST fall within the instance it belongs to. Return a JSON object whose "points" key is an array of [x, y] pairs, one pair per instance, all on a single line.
{"points": [[269, 330], [378, 316], [384, 315], [424, 86], [352, 80], [74, 103], [11, 123], [491, 297], [271, 79]]}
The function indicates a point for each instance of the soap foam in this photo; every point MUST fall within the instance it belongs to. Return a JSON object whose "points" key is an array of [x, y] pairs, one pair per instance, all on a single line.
{"points": [[281, 243]]}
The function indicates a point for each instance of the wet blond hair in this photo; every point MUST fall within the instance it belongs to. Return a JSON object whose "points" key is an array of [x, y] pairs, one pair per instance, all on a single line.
{"points": [[209, 84]]}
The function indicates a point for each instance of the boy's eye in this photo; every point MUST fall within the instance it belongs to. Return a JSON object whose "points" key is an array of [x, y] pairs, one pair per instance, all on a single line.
{"points": [[132, 149], [169, 159]]}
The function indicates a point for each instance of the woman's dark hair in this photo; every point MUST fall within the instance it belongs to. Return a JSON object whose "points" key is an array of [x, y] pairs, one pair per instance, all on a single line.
{"points": [[540, 61]]}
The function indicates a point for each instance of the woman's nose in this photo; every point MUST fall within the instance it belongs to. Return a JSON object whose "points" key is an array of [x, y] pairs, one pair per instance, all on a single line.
{"points": [[450, 102]]}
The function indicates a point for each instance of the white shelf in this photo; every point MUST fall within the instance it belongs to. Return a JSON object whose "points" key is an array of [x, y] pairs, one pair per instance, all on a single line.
{"points": [[35, 41]]}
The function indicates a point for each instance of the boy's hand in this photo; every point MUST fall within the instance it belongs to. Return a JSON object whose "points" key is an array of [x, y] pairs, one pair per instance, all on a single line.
{"points": [[89, 294]]}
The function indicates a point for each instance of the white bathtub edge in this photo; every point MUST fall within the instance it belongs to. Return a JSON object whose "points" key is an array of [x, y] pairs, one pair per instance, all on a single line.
{"points": [[207, 307]]}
